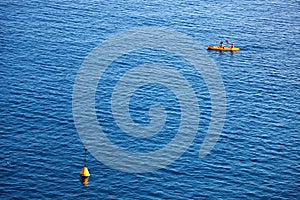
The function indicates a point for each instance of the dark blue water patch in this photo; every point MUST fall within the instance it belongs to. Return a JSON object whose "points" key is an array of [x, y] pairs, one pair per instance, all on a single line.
{"points": [[139, 110], [147, 96]]}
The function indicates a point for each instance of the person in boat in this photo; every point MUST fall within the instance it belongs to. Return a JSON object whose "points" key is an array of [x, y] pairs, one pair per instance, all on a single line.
{"points": [[231, 45], [221, 45]]}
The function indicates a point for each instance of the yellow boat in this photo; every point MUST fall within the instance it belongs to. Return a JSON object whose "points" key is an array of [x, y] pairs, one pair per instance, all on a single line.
{"points": [[223, 49]]}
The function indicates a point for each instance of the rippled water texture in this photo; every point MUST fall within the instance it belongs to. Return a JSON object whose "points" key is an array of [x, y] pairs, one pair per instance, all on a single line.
{"points": [[44, 43]]}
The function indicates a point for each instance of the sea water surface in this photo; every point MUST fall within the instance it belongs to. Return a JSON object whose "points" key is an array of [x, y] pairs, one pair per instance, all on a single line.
{"points": [[44, 43]]}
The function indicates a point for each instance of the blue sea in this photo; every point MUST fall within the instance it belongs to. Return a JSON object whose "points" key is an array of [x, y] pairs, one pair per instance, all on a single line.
{"points": [[43, 47]]}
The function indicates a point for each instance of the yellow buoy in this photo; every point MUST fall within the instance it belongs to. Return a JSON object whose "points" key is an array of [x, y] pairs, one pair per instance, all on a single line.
{"points": [[85, 174]]}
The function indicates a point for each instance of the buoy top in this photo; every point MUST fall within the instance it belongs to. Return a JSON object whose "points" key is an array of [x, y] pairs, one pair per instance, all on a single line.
{"points": [[85, 172]]}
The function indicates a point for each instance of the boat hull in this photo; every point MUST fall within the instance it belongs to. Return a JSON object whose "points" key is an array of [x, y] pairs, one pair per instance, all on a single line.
{"points": [[222, 49]]}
